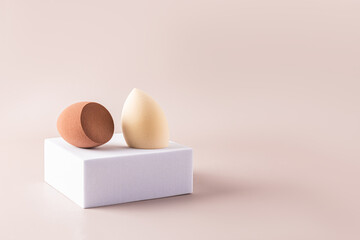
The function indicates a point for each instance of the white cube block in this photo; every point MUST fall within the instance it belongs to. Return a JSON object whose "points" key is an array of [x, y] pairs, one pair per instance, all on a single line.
{"points": [[114, 173]]}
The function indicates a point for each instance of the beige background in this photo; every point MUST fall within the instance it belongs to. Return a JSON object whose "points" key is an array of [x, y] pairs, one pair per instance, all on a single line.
{"points": [[266, 92]]}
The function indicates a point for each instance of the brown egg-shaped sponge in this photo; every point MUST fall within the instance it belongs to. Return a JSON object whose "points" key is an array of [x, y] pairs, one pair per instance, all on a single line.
{"points": [[86, 124]]}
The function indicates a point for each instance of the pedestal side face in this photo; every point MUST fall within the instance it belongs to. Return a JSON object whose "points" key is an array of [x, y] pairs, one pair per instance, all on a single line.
{"points": [[115, 173], [138, 177], [64, 171]]}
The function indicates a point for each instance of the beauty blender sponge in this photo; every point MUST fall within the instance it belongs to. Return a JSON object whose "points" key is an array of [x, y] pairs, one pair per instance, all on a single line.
{"points": [[85, 124], [143, 122]]}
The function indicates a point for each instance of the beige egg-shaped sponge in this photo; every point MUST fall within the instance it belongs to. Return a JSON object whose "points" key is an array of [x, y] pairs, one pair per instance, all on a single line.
{"points": [[86, 124], [143, 122]]}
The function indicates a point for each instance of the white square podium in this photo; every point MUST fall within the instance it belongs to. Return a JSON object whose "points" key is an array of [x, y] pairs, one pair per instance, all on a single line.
{"points": [[114, 173]]}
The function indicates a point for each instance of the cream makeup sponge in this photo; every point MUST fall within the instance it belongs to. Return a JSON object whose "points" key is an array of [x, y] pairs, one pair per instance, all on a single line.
{"points": [[143, 122], [85, 124]]}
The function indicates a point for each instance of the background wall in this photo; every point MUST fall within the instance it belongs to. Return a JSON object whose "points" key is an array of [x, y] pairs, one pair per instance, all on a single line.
{"points": [[266, 92]]}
